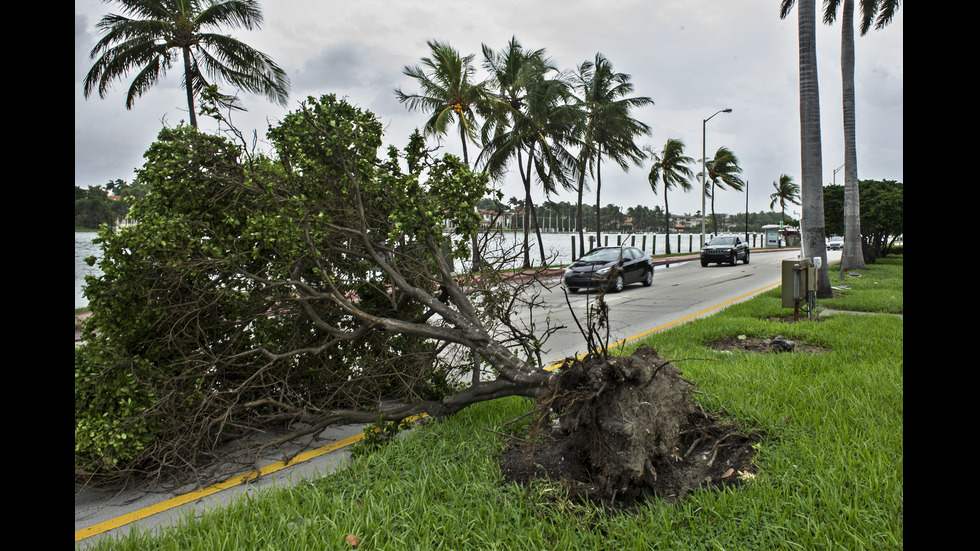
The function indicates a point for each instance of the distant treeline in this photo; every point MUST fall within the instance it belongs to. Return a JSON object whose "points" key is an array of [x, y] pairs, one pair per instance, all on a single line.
{"points": [[881, 203], [107, 204], [640, 219]]}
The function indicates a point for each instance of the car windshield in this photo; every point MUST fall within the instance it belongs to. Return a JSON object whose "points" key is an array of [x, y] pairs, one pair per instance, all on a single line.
{"points": [[836, 239], [601, 255], [722, 241]]}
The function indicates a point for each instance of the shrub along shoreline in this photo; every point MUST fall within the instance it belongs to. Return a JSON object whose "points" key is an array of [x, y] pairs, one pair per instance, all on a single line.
{"points": [[830, 469]]}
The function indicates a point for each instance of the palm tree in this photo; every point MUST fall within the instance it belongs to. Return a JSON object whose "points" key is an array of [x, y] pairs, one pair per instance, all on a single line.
{"points": [[539, 127], [786, 192], [152, 35], [811, 186], [511, 71], [884, 10], [670, 167], [722, 170], [450, 95], [609, 129]]}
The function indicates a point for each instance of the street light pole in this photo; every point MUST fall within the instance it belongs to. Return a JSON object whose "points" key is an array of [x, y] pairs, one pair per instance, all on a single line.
{"points": [[704, 125], [746, 211], [835, 173]]}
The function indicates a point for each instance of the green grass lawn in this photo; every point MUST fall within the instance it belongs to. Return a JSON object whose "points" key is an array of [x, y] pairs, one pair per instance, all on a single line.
{"points": [[830, 467]]}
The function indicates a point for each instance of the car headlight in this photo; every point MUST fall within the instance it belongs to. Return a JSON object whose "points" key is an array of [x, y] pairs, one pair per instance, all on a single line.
{"points": [[604, 271]]}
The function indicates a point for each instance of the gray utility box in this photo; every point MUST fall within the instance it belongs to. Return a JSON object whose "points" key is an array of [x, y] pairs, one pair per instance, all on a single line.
{"points": [[799, 279]]}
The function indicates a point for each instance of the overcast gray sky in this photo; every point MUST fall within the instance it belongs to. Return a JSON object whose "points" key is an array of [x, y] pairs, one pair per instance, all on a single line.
{"points": [[691, 57]]}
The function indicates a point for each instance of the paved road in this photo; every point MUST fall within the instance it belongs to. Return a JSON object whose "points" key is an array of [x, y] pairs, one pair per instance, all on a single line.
{"points": [[680, 292]]}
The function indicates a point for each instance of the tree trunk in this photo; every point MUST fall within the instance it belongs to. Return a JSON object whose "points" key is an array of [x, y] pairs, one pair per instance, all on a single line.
{"points": [[714, 218], [852, 258], [537, 232], [598, 189], [581, 222], [526, 178], [475, 243], [814, 239], [188, 87], [667, 224]]}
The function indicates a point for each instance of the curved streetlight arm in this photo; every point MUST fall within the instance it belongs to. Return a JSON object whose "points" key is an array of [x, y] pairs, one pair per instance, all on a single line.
{"points": [[835, 173]]}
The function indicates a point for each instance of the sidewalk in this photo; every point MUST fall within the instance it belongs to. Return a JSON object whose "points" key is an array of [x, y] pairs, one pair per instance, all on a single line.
{"points": [[102, 513]]}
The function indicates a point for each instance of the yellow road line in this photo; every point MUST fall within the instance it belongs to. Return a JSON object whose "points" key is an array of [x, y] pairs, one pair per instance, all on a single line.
{"points": [[306, 456], [204, 492]]}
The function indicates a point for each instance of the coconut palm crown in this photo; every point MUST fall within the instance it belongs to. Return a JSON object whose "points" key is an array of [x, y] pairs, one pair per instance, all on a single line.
{"points": [[609, 130], [670, 166], [448, 92], [151, 36], [787, 192]]}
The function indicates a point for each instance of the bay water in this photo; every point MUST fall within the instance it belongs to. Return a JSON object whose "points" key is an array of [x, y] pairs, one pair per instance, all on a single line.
{"points": [[557, 247]]}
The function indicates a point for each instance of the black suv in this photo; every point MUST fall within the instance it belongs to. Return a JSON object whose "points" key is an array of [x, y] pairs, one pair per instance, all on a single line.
{"points": [[725, 248]]}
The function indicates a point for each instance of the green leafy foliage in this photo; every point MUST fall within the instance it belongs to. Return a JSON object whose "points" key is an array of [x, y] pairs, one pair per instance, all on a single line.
{"points": [[228, 306], [882, 213], [107, 407]]}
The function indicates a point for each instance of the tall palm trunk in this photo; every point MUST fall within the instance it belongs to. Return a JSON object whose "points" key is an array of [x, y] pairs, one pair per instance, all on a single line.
{"points": [[537, 232], [187, 85], [666, 225], [530, 213], [581, 222], [598, 190], [526, 179], [811, 188], [477, 259], [533, 210], [714, 218], [853, 256]]}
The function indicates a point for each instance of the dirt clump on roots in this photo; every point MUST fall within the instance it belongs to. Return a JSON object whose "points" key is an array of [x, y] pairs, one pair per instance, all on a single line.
{"points": [[622, 431]]}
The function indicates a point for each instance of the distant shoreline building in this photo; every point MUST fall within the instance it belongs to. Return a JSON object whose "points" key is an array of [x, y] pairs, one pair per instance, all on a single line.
{"points": [[683, 222]]}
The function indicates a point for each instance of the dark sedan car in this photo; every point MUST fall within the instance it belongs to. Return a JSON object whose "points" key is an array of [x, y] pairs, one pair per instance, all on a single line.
{"points": [[725, 248], [602, 268]]}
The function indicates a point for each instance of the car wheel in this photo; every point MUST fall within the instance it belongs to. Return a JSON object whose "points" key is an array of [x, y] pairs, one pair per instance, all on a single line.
{"points": [[617, 284], [573, 290], [648, 279], [704, 263], [746, 257], [734, 258]]}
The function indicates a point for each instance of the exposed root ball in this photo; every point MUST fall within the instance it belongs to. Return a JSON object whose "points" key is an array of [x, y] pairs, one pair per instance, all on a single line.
{"points": [[623, 418]]}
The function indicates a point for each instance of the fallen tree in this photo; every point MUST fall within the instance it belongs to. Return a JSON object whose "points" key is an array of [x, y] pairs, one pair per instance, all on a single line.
{"points": [[292, 290], [297, 290]]}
